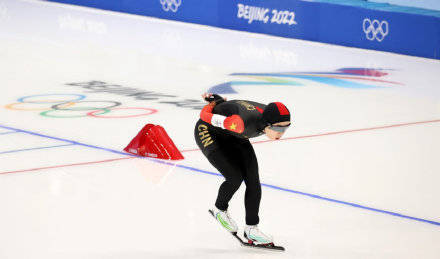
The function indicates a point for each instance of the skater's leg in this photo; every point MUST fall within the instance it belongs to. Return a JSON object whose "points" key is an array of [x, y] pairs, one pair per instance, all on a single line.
{"points": [[252, 197], [253, 186], [227, 166], [221, 151]]}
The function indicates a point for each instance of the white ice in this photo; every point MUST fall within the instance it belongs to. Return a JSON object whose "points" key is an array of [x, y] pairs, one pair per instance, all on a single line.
{"points": [[67, 190]]}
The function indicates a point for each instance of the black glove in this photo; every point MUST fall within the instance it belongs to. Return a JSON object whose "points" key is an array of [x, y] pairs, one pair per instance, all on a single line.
{"points": [[215, 98]]}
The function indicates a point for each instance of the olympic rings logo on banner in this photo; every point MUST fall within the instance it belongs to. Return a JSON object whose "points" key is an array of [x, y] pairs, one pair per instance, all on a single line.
{"points": [[375, 30], [172, 5], [74, 106]]}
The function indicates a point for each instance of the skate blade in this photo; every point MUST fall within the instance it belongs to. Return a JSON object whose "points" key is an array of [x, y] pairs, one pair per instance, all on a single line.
{"points": [[270, 247]]}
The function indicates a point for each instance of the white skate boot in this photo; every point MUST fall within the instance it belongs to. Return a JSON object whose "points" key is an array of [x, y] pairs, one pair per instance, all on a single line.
{"points": [[225, 220], [255, 236]]}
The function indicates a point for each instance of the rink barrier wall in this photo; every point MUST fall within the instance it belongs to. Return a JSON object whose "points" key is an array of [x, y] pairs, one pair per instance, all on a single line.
{"points": [[352, 23]]}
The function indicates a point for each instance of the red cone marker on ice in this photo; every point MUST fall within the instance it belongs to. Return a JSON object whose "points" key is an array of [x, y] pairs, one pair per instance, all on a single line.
{"points": [[153, 141]]}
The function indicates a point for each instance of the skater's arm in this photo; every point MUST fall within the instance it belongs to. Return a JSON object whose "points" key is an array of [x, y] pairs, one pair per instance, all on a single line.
{"points": [[232, 123], [206, 113]]}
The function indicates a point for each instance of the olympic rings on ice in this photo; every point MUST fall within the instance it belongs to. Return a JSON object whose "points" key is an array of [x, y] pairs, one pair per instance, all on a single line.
{"points": [[43, 107], [86, 108], [23, 99], [150, 111], [74, 106], [50, 113]]}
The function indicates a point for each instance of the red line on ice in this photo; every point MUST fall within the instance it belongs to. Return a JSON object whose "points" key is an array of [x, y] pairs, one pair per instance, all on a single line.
{"points": [[257, 142], [58, 166], [339, 132]]}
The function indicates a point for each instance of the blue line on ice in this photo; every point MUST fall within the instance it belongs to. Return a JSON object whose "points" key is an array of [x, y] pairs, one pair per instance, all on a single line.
{"points": [[9, 132], [217, 174], [34, 148]]}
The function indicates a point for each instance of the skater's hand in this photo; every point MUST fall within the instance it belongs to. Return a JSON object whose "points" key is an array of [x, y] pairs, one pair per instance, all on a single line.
{"points": [[206, 96], [213, 99]]}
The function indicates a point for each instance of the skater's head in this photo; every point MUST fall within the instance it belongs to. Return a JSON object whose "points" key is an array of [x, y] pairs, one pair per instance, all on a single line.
{"points": [[277, 117]]}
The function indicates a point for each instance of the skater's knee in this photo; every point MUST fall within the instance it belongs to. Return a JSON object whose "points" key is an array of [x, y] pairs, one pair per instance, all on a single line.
{"points": [[234, 182], [253, 184], [254, 189]]}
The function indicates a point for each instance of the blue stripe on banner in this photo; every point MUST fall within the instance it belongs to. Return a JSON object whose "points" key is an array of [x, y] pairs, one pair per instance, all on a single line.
{"points": [[217, 174], [35, 148]]}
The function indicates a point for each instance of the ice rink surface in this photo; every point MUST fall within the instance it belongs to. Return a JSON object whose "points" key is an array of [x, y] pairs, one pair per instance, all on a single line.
{"points": [[357, 175]]}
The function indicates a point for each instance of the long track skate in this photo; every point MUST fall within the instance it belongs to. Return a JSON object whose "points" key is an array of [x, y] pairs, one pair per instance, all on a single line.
{"points": [[250, 244]]}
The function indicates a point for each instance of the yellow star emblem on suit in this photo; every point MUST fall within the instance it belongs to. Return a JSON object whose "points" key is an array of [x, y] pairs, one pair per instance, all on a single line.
{"points": [[233, 126]]}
